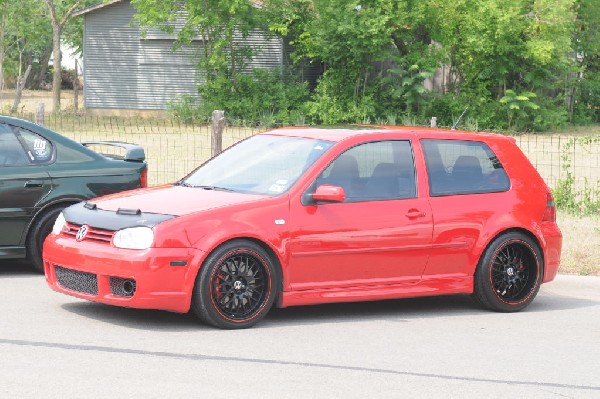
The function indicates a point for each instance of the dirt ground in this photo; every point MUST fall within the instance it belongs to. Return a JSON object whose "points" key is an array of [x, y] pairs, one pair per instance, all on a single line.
{"points": [[31, 98]]}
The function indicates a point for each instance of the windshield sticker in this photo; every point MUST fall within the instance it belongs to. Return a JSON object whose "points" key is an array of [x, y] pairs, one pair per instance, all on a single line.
{"points": [[318, 147], [277, 188], [281, 182]]}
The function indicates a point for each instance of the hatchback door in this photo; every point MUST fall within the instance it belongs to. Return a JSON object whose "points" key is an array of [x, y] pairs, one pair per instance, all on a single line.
{"points": [[379, 234], [24, 181]]}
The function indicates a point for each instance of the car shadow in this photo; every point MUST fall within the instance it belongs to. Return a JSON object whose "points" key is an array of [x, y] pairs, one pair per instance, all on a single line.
{"points": [[398, 310], [141, 319], [17, 268]]}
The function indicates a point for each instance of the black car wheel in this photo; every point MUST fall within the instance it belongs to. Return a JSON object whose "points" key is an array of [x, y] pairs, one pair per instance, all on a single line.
{"points": [[509, 273], [38, 233], [235, 287]]}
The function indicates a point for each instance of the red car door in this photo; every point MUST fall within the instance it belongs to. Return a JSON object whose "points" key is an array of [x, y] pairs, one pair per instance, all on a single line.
{"points": [[380, 234]]}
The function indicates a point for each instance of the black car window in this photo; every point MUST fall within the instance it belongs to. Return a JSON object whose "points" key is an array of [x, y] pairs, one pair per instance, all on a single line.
{"points": [[39, 149], [463, 167], [11, 150], [381, 170]]}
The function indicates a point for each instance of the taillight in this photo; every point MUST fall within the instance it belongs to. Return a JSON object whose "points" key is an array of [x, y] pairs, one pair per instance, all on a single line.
{"points": [[550, 211], [144, 177]]}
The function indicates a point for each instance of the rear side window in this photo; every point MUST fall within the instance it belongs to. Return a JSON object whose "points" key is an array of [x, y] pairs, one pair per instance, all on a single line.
{"points": [[12, 152], [463, 167]]}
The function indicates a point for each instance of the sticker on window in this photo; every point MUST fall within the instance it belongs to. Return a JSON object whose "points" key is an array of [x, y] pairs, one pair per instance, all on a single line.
{"points": [[39, 148], [39, 145], [277, 188]]}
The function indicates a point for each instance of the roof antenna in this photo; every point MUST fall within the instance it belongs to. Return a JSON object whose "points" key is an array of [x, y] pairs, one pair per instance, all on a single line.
{"points": [[459, 118]]}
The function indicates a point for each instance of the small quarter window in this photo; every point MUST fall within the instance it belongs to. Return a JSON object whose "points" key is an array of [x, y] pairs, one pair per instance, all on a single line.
{"points": [[38, 148], [463, 167]]}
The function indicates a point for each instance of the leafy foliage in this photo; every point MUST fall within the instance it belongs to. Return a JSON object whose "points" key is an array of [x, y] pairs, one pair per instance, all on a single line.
{"points": [[518, 105], [583, 201], [376, 54]]}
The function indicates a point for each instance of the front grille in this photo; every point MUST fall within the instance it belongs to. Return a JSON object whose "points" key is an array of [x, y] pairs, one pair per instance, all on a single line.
{"points": [[122, 286], [74, 280], [92, 233]]}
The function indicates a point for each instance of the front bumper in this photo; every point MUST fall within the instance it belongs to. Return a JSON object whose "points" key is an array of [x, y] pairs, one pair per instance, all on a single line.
{"points": [[91, 271]]}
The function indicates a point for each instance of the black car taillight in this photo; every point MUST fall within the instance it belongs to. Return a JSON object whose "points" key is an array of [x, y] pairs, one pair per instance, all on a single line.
{"points": [[550, 211], [144, 177]]}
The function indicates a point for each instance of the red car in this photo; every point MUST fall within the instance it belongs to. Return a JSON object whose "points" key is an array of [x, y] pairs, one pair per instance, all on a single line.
{"points": [[303, 216]]}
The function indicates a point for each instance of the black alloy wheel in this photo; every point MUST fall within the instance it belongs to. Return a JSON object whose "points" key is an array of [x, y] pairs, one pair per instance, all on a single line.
{"points": [[513, 272], [239, 285], [236, 285], [509, 273]]}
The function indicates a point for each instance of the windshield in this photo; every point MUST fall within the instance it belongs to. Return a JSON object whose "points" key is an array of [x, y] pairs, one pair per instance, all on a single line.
{"points": [[264, 164]]}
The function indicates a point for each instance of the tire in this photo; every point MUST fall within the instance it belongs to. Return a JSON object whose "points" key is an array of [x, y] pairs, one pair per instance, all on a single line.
{"points": [[38, 233], [236, 286], [509, 274]]}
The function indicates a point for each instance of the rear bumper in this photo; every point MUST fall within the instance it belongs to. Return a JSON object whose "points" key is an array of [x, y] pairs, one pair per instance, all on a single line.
{"points": [[161, 282], [553, 247]]}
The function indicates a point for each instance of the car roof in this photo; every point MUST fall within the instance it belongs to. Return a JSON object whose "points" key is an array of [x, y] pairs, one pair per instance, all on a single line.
{"points": [[340, 133]]}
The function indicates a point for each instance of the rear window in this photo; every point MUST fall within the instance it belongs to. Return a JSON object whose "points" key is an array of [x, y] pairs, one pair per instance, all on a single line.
{"points": [[463, 167]]}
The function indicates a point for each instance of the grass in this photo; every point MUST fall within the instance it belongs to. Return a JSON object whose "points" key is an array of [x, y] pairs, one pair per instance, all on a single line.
{"points": [[581, 240]]}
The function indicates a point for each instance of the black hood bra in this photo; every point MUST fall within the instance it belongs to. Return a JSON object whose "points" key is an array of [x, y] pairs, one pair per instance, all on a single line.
{"points": [[89, 214]]}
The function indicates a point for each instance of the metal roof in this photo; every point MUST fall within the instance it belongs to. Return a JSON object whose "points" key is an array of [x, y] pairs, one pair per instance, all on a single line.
{"points": [[256, 3]]}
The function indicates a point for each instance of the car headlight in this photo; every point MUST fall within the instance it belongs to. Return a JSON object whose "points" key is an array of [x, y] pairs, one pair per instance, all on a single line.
{"points": [[134, 238], [59, 224]]}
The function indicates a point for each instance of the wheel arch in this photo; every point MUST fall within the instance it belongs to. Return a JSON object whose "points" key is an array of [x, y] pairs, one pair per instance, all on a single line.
{"points": [[62, 203], [264, 245], [521, 230]]}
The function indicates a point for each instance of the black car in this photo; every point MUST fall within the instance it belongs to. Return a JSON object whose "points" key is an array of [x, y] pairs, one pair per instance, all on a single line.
{"points": [[42, 172]]}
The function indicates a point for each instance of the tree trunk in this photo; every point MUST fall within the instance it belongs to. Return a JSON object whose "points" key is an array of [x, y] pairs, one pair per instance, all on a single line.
{"points": [[21, 81], [57, 75], [38, 78], [76, 88], [218, 125]]}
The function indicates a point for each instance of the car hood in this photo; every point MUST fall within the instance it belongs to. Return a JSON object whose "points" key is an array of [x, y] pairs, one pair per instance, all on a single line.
{"points": [[172, 200]]}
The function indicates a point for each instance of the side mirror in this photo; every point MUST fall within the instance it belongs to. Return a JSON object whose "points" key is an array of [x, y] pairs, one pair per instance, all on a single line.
{"points": [[328, 193]]}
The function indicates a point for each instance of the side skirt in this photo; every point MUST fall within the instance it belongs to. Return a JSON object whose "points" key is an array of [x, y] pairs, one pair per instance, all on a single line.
{"points": [[13, 253], [428, 286]]}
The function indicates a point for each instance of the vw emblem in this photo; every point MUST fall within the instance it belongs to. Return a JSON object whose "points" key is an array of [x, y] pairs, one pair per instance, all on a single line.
{"points": [[238, 285], [82, 232]]}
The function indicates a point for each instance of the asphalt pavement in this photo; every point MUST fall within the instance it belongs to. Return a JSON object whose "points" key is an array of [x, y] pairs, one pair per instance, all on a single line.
{"points": [[56, 346]]}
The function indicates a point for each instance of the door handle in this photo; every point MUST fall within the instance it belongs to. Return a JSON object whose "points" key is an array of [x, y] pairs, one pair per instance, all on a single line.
{"points": [[34, 183], [415, 213]]}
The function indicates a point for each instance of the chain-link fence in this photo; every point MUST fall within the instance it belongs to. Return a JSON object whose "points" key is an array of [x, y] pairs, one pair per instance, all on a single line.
{"points": [[173, 148]]}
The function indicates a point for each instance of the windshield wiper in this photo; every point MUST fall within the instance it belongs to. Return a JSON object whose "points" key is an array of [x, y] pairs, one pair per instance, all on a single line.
{"points": [[215, 188], [182, 183]]}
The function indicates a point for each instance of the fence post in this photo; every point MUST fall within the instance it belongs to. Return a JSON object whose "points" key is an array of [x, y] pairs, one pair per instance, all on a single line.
{"points": [[39, 114], [218, 124], [433, 121]]}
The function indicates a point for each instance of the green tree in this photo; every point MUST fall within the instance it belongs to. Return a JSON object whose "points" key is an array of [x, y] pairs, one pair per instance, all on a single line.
{"points": [[24, 34], [216, 22], [586, 98], [60, 13], [357, 42]]}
